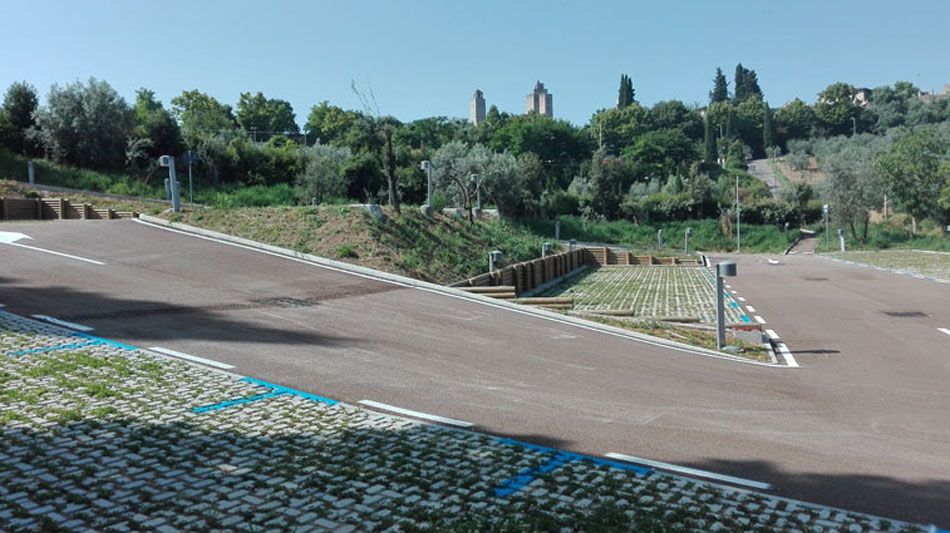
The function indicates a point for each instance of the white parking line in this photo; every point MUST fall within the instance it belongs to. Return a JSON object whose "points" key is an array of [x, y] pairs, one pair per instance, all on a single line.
{"points": [[691, 471], [771, 333], [416, 414], [759, 319], [787, 355], [61, 254], [741, 299], [944, 330], [733, 292], [189, 357], [65, 324], [750, 308]]}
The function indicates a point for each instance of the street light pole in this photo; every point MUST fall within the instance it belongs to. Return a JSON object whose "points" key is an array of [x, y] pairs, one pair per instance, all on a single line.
{"points": [[854, 126], [427, 166], [738, 232]]}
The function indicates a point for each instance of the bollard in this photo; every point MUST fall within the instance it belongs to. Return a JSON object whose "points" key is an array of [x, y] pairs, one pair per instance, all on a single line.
{"points": [[659, 238], [723, 269], [546, 249], [689, 231], [841, 239], [572, 244], [30, 170], [314, 201], [557, 230]]}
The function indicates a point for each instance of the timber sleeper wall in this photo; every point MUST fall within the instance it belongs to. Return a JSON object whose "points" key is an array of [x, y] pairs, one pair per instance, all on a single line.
{"points": [[531, 274], [55, 209]]}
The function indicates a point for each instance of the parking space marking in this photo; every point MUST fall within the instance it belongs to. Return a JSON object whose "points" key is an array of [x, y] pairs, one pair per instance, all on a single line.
{"points": [[189, 357], [759, 319], [944, 330], [750, 308], [416, 414], [691, 471]]}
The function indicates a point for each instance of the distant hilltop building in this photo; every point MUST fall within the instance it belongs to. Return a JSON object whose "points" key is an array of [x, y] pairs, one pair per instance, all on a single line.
{"points": [[540, 101], [930, 96], [478, 107]]}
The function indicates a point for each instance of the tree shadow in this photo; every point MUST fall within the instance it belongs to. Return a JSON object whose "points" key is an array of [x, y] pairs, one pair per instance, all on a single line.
{"points": [[114, 317]]}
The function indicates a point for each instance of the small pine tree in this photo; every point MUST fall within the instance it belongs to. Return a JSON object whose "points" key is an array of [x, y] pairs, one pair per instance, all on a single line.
{"points": [[720, 92]]}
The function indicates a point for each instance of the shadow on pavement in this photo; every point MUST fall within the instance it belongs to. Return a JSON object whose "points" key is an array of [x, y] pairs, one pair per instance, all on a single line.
{"points": [[125, 318]]}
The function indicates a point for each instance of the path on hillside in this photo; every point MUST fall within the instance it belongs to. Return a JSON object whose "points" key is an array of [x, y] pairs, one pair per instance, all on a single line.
{"points": [[807, 244], [862, 425], [761, 169]]}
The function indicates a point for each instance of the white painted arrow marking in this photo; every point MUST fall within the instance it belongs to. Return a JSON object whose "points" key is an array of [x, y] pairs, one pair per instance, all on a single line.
{"points": [[10, 237]]}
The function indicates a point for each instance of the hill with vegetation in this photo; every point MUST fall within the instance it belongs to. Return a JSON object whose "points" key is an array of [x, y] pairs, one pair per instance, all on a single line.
{"points": [[441, 249]]}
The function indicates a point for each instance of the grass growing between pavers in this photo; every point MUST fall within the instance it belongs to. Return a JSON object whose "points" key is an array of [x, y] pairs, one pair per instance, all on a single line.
{"points": [[103, 438], [929, 264], [648, 291]]}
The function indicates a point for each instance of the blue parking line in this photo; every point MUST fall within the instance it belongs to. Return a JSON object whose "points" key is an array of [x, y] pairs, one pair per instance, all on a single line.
{"points": [[560, 458], [526, 476], [106, 341], [745, 318], [239, 401], [288, 390], [54, 348]]}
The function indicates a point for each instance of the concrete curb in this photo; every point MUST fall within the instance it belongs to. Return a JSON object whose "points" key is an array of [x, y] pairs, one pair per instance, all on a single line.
{"points": [[432, 287]]}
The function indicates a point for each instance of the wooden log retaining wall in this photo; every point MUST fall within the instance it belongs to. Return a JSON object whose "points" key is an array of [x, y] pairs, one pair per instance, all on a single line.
{"points": [[55, 209], [530, 274]]}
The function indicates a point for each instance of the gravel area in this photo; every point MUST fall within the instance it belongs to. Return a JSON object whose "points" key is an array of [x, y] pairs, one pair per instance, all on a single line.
{"points": [[648, 291], [919, 263], [97, 436]]}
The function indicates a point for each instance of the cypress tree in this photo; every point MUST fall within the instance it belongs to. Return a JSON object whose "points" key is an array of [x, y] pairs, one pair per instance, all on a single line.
{"points": [[739, 85], [625, 97], [729, 124], [720, 92], [710, 142], [767, 141]]}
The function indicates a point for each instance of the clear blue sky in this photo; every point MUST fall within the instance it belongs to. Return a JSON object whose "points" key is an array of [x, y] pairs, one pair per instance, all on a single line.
{"points": [[424, 58]]}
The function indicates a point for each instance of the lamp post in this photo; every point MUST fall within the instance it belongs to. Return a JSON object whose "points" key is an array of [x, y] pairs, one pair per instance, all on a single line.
{"points": [[427, 209], [659, 238], [824, 210], [723, 269], [738, 232], [478, 192], [854, 126]]}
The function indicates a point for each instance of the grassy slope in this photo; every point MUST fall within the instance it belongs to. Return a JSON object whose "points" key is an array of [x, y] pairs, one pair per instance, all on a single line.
{"points": [[13, 166], [442, 250]]}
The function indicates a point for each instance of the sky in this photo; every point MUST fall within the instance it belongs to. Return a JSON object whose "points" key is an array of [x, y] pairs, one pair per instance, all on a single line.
{"points": [[425, 58]]}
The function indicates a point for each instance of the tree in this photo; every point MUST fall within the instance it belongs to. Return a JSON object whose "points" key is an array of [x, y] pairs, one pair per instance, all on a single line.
{"points": [[835, 109], [915, 172], [720, 92], [674, 114], [256, 113], [324, 174], [626, 96], [615, 129], [746, 84], [156, 125], [748, 122], [852, 187], [794, 120], [85, 125], [454, 164], [16, 118], [207, 126]]}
